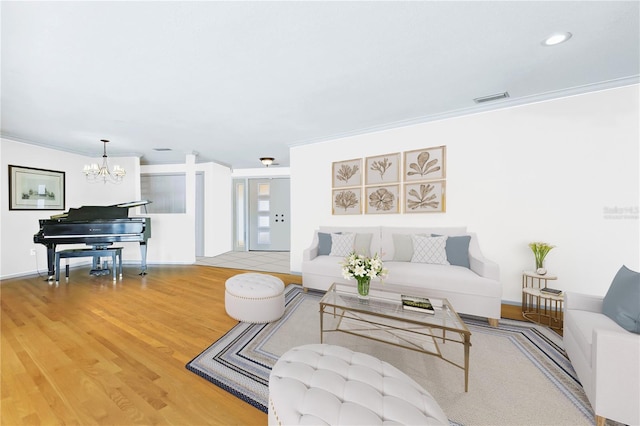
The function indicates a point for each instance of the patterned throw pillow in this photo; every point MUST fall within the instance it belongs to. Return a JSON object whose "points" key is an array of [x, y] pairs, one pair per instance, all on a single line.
{"points": [[342, 245], [429, 250]]}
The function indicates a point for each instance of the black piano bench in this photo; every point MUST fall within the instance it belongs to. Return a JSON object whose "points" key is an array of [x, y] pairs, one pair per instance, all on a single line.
{"points": [[96, 253]]}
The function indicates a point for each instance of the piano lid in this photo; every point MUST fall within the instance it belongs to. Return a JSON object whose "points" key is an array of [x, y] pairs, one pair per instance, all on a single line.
{"points": [[115, 211], [134, 203]]}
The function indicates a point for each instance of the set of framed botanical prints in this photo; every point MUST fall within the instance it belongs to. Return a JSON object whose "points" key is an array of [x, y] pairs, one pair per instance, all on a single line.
{"points": [[408, 182]]}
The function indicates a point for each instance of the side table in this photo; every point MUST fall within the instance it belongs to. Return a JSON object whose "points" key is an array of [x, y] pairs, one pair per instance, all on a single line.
{"points": [[538, 306]]}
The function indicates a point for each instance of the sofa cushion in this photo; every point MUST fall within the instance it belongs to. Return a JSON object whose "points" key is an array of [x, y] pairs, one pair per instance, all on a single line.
{"points": [[580, 325], [402, 248], [330, 266], [434, 279], [457, 249], [621, 301], [429, 249], [342, 244]]}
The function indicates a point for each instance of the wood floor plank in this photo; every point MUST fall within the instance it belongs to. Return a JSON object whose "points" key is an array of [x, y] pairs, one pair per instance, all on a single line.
{"points": [[90, 351]]}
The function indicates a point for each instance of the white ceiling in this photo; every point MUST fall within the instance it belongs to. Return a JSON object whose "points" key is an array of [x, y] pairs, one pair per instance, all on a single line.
{"points": [[235, 81]]}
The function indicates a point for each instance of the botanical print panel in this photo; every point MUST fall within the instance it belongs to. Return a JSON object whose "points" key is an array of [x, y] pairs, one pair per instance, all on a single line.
{"points": [[425, 164], [382, 199], [425, 197], [347, 173], [382, 169], [346, 201]]}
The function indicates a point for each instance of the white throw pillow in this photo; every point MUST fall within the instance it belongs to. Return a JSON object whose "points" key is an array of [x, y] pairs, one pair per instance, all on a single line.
{"points": [[429, 250], [342, 244]]}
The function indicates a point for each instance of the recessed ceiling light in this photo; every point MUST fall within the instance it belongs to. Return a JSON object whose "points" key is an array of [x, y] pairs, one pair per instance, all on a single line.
{"points": [[556, 38]]}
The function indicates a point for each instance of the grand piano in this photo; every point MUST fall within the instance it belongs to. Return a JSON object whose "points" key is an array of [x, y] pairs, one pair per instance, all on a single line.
{"points": [[96, 226]]}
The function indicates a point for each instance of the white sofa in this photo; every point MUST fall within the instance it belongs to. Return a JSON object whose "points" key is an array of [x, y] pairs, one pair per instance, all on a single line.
{"points": [[606, 358], [474, 290]]}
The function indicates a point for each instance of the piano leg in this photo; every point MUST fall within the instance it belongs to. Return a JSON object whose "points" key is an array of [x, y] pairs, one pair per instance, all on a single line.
{"points": [[51, 255], [143, 257]]}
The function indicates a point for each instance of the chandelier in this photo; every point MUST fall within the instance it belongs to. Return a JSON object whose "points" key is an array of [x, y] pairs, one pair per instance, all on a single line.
{"points": [[95, 173]]}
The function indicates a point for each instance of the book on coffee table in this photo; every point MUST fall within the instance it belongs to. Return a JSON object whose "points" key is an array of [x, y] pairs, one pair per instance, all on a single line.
{"points": [[551, 290], [418, 304]]}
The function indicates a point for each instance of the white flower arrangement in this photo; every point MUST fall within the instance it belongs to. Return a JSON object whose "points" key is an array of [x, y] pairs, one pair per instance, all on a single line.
{"points": [[359, 266]]}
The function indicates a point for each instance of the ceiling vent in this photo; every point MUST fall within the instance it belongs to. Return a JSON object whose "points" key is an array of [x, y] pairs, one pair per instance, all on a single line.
{"points": [[491, 98], [162, 149]]}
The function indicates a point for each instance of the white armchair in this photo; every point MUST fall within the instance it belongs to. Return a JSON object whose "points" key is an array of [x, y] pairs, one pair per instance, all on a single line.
{"points": [[606, 358]]}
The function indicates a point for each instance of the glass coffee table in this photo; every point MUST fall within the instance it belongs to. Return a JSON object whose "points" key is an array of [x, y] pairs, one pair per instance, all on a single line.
{"points": [[381, 317]]}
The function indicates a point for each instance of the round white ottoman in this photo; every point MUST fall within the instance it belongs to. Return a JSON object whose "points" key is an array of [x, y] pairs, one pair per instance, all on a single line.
{"points": [[326, 384], [256, 298]]}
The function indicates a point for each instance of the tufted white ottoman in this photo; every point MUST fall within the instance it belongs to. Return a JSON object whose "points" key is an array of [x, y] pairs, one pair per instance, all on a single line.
{"points": [[256, 298], [326, 384]]}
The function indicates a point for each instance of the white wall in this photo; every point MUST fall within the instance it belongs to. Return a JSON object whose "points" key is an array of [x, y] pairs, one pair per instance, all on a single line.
{"points": [[539, 172], [218, 209], [178, 230], [172, 236]]}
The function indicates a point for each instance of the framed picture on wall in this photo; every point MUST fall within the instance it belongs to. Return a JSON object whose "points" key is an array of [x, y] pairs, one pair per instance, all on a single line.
{"points": [[425, 197], [383, 199], [425, 164], [35, 189], [346, 201], [347, 173], [382, 169]]}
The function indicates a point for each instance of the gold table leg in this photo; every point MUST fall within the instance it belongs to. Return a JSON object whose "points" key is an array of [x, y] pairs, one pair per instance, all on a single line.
{"points": [[467, 344]]}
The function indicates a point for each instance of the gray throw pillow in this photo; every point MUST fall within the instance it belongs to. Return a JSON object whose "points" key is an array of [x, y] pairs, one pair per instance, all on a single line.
{"points": [[458, 250], [324, 243], [622, 301], [402, 247], [363, 244]]}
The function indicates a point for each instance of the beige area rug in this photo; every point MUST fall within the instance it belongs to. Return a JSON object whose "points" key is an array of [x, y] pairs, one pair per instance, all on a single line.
{"points": [[519, 374]]}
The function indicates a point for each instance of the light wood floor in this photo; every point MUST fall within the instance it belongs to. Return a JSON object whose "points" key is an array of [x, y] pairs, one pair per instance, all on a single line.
{"points": [[90, 352]]}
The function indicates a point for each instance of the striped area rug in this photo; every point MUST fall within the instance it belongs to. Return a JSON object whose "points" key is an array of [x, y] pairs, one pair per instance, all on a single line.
{"points": [[519, 373]]}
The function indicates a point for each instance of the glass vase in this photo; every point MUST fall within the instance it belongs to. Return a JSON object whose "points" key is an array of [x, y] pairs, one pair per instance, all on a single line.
{"points": [[540, 269], [363, 287]]}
